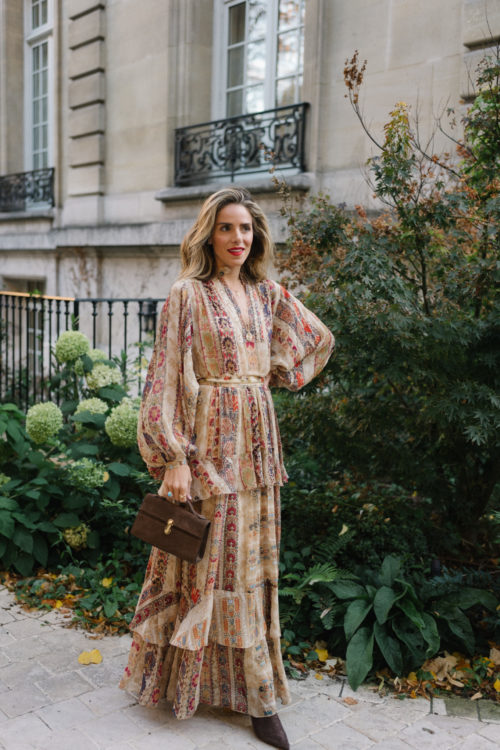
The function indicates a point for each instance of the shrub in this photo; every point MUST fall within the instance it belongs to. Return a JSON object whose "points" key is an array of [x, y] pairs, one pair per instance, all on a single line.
{"points": [[101, 376], [71, 345]]}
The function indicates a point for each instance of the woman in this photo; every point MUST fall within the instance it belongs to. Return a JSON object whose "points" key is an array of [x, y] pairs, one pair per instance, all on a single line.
{"points": [[209, 633]]}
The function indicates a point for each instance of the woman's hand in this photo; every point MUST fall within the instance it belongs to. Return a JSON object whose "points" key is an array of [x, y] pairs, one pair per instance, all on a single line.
{"points": [[177, 481]]}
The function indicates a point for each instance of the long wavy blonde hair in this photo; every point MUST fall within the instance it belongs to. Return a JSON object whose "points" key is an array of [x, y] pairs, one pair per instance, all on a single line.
{"points": [[197, 256]]}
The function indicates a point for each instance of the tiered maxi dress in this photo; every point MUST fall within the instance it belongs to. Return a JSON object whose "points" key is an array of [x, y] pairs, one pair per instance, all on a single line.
{"points": [[209, 632]]}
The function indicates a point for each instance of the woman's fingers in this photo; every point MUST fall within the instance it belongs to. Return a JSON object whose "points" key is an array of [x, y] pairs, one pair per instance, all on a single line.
{"points": [[177, 484]]}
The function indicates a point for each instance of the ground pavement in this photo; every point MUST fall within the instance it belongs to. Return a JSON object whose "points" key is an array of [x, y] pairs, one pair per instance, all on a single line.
{"points": [[49, 700]]}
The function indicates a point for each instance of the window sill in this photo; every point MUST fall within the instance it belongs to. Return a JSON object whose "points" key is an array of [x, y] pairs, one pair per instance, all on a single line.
{"points": [[39, 213], [302, 182]]}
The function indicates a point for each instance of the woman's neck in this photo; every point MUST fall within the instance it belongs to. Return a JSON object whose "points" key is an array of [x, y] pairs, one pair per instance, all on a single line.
{"points": [[230, 276]]}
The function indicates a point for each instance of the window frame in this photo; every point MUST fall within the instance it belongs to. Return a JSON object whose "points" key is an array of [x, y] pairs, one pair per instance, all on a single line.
{"points": [[32, 38], [220, 56]]}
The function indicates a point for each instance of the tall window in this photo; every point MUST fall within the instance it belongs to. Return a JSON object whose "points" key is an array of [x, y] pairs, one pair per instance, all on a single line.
{"points": [[38, 84], [263, 54]]}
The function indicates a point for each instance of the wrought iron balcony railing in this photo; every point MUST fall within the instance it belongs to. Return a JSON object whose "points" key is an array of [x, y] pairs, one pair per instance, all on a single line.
{"points": [[27, 190], [246, 144]]}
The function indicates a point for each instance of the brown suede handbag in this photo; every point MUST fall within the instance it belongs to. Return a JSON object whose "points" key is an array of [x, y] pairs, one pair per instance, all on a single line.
{"points": [[174, 528]]}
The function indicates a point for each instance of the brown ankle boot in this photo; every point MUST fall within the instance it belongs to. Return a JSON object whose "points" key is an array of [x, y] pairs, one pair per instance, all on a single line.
{"points": [[269, 729]]}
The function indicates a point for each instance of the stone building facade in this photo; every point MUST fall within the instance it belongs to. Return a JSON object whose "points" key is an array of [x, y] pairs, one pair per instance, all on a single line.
{"points": [[93, 91]]}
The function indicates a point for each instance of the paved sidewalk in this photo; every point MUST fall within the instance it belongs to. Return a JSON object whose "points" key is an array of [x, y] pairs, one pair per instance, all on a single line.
{"points": [[49, 700]]}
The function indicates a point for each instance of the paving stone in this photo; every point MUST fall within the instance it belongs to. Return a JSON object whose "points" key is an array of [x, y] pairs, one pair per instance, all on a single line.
{"points": [[107, 699], [406, 710], [5, 616], [456, 706], [65, 685], [27, 729], [65, 660], [18, 702], [170, 741], [25, 628], [456, 725], [26, 649], [297, 727], [149, 719], [362, 694], [23, 673], [320, 710], [491, 732], [202, 728], [426, 734], [66, 714], [308, 744], [5, 637], [3, 659], [476, 742], [106, 674], [438, 706], [489, 711], [67, 739], [341, 737], [112, 728], [376, 725]]}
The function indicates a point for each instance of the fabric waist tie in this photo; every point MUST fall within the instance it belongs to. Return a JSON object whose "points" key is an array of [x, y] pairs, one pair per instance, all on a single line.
{"points": [[239, 381]]}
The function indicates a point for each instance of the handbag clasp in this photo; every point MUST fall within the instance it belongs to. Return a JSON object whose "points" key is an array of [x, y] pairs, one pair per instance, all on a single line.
{"points": [[168, 527]]}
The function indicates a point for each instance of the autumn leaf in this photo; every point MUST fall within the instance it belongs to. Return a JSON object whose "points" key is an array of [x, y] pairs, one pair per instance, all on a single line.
{"points": [[350, 701], [322, 653], [496, 685], [106, 582], [318, 676], [90, 657]]}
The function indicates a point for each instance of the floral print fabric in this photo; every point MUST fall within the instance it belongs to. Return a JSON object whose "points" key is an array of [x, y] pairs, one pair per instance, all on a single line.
{"points": [[210, 632]]}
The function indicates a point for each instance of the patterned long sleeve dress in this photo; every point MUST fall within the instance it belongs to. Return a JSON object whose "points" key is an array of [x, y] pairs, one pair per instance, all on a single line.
{"points": [[209, 632]]}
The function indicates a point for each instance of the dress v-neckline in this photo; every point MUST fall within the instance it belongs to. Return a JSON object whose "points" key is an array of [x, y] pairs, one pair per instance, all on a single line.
{"points": [[246, 322]]}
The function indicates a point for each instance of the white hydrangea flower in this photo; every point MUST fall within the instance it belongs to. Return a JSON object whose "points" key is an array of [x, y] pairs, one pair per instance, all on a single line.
{"points": [[121, 425], [43, 421], [71, 345], [101, 376]]}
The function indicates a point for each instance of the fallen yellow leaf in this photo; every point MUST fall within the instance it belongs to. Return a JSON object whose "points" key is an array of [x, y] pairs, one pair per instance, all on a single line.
{"points": [[322, 653], [105, 476], [58, 604], [496, 685], [90, 657], [344, 529], [106, 582], [318, 676]]}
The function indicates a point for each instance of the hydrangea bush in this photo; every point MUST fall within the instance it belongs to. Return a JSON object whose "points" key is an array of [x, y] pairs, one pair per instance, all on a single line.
{"points": [[72, 478]]}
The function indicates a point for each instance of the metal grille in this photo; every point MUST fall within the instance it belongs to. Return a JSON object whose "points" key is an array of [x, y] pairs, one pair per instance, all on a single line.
{"points": [[25, 190], [246, 144], [30, 325]]}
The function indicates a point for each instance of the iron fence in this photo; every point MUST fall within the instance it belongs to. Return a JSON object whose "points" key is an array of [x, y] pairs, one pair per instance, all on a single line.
{"points": [[27, 190], [245, 144], [123, 328]]}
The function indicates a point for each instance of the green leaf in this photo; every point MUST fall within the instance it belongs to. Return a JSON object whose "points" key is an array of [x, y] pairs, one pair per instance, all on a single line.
{"points": [[3, 547], [26, 519], [459, 625], [470, 597], [430, 634], [66, 520], [382, 604], [79, 450], [23, 539], [40, 549], [122, 470], [112, 392], [389, 648], [390, 568], [46, 526], [354, 616], [112, 488], [93, 540], [110, 607], [410, 610], [23, 563], [87, 418], [348, 590], [8, 503], [6, 524], [75, 502], [359, 657], [412, 638]]}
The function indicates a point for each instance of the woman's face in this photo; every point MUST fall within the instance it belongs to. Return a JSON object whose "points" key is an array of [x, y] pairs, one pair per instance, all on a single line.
{"points": [[232, 236]]}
